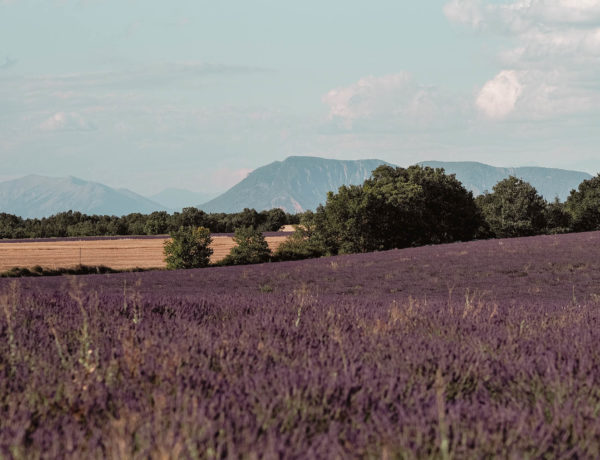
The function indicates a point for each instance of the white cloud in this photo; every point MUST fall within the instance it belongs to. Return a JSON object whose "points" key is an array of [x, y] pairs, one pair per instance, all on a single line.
{"points": [[553, 67], [498, 97], [533, 95], [465, 12], [523, 14], [560, 11], [66, 121]]}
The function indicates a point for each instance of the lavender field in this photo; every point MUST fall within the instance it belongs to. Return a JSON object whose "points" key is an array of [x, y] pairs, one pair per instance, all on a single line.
{"points": [[468, 350]]}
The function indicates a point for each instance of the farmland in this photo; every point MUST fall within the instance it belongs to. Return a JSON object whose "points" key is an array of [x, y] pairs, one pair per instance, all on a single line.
{"points": [[117, 253], [466, 350]]}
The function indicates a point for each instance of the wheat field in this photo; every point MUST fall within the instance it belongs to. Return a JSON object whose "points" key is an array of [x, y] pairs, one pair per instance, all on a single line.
{"points": [[122, 253]]}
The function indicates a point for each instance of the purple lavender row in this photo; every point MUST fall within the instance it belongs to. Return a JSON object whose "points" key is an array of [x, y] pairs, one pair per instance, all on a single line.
{"points": [[469, 350]]}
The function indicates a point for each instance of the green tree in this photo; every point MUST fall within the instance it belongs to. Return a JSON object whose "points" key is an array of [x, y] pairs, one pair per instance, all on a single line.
{"points": [[10, 225], [583, 205], [514, 208], [299, 245], [189, 247], [558, 219], [396, 208], [251, 248], [157, 223], [274, 219]]}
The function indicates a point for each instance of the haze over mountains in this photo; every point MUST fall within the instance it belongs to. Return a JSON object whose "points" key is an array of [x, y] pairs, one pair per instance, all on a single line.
{"points": [[295, 184], [178, 198], [39, 196], [301, 183], [479, 177]]}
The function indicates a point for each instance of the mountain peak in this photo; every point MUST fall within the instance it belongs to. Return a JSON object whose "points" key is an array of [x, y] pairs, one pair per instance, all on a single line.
{"points": [[295, 184]]}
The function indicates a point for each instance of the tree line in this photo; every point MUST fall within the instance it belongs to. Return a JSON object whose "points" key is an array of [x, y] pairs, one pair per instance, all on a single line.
{"points": [[77, 224], [395, 208], [403, 207]]}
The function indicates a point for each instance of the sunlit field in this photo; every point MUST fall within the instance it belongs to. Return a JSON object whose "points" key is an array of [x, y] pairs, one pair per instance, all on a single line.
{"points": [[468, 350], [115, 252]]}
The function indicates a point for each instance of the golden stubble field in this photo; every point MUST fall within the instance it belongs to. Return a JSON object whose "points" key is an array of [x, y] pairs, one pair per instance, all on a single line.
{"points": [[116, 253]]}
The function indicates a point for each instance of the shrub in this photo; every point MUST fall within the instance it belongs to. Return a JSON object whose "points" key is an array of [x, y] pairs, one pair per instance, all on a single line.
{"points": [[300, 245], [251, 248], [189, 247]]}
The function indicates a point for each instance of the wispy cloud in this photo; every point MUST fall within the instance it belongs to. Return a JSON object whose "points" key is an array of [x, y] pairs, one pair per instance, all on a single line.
{"points": [[396, 101], [66, 121], [159, 74], [8, 63]]}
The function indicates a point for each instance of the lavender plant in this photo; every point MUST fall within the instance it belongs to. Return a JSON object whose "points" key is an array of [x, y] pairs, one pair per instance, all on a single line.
{"points": [[468, 350]]}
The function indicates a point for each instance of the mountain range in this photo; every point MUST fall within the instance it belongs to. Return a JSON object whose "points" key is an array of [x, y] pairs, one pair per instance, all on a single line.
{"points": [[294, 184], [479, 177], [40, 196], [301, 183]]}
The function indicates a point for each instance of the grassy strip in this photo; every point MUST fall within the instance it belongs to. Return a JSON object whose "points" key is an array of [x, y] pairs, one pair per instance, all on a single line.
{"points": [[19, 272]]}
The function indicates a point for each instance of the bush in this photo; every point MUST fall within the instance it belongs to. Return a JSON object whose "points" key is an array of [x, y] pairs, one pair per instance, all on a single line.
{"points": [[251, 248], [300, 245], [189, 247]]}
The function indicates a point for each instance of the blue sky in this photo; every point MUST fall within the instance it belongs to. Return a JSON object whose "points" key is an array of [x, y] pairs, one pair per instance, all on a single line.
{"points": [[187, 93]]}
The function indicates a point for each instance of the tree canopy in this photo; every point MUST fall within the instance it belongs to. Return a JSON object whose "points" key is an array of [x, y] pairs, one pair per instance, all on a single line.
{"points": [[73, 223], [584, 205], [251, 248], [514, 208], [395, 208], [189, 247]]}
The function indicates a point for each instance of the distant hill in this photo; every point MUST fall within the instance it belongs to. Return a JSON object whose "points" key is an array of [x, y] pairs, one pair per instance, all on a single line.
{"points": [[300, 183], [177, 198], [479, 177], [39, 196], [295, 184]]}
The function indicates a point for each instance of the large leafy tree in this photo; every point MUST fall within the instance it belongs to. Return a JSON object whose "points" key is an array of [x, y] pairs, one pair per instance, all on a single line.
{"points": [[584, 205], [189, 247], [251, 248], [398, 207], [514, 208]]}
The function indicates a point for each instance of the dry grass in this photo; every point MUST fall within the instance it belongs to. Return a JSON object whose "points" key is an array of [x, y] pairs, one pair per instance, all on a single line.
{"points": [[118, 254]]}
